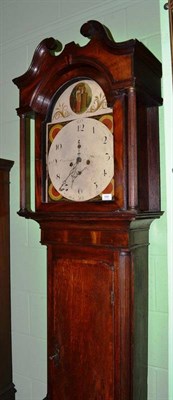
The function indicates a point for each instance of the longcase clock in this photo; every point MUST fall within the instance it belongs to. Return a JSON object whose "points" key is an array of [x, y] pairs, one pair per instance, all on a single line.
{"points": [[95, 145]]}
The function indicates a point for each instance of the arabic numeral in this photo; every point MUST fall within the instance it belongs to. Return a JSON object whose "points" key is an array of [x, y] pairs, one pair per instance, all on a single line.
{"points": [[108, 156], [80, 127], [105, 140], [64, 187], [59, 146], [80, 194]]}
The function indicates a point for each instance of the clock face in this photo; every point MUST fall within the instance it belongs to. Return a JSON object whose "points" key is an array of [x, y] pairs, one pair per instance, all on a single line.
{"points": [[79, 146], [80, 159]]}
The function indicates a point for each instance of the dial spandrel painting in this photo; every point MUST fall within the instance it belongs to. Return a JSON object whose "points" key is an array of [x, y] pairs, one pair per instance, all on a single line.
{"points": [[80, 156]]}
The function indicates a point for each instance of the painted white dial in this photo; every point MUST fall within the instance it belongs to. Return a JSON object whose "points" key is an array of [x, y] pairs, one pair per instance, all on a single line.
{"points": [[80, 159]]}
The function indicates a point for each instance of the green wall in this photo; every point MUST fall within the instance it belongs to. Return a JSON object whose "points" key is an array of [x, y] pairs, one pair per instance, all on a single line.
{"points": [[168, 134]]}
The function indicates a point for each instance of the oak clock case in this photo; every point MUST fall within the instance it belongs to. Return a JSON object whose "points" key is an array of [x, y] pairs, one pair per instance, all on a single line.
{"points": [[97, 191]]}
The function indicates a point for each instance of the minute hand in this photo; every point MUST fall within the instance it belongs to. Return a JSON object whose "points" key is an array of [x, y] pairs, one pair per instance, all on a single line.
{"points": [[71, 173], [74, 173]]}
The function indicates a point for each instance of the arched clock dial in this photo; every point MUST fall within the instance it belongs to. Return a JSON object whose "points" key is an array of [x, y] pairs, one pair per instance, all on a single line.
{"points": [[80, 159]]}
